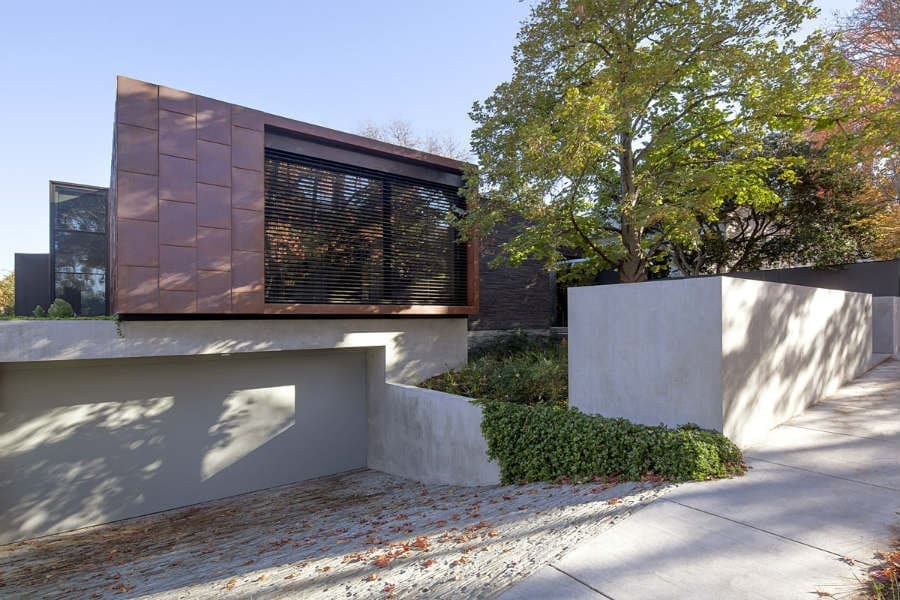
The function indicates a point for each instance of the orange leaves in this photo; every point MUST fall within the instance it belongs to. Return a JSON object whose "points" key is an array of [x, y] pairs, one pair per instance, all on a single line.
{"points": [[421, 543], [613, 501], [429, 563], [231, 583]]}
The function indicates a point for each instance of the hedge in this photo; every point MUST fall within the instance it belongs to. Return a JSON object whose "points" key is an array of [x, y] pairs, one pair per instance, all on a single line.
{"points": [[546, 443]]}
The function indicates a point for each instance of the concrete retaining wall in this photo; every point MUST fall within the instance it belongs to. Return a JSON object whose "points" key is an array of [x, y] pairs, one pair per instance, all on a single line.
{"points": [[97, 426], [429, 436], [886, 325], [785, 347], [734, 355], [87, 442]]}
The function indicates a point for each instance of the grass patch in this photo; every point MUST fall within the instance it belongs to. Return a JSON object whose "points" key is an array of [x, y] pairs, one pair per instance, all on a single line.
{"points": [[515, 368], [884, 578]]}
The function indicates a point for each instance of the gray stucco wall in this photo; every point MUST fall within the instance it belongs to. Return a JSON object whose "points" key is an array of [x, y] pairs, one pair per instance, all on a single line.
{"points": [[886, 325], [86, 442], [735, 355], [429, 436]]}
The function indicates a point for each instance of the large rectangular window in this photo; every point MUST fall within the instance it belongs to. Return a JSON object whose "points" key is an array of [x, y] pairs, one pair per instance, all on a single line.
{"points": [[339, 234], [79, 248]]}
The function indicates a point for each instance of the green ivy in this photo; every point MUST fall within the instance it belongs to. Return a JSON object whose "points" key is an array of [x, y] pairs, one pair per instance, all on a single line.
{"points": [[546, 443]]}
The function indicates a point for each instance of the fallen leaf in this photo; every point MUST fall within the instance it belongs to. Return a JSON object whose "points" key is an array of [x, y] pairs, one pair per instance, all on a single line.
{"points": [[429, 562], [382, 561], [613, 501], [231, 583]]}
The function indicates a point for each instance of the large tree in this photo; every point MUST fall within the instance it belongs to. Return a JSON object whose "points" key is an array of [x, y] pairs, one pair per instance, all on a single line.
{"points": [[625, 119], [823, 217], [868, 131]]}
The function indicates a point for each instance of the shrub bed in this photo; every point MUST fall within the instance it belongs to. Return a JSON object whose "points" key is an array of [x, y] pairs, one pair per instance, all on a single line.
{"points": [[546, 443], [514, 368]]}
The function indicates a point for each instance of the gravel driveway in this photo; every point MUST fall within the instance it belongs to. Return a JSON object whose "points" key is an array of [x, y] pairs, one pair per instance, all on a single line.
{"points": [[357, 535]]}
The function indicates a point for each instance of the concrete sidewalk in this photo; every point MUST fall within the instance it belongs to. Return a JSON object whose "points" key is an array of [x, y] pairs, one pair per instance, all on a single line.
{"points": [[821, 497]]}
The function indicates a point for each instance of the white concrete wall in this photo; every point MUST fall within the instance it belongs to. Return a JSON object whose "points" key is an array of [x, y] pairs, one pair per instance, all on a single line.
{"points": [[785, 347], [734, 355], [429, 436], [97, 426], [886, 325], [649, 352], [415, 348], [87, 442]]}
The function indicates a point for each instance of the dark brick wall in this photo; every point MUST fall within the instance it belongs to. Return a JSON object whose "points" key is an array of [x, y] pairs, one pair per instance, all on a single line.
{"points": [[512, 297]]}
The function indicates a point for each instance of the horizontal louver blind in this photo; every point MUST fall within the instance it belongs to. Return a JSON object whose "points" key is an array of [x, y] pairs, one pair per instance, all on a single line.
{"points": [[337, 234]]}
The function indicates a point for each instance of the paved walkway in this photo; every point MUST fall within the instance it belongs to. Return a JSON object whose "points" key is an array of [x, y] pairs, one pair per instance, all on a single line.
{"points": [[357, 535], [821, 498]]}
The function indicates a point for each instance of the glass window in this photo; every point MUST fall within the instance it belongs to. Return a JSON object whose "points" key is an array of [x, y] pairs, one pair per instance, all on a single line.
{"points": [[86, 292], [80, 252], [79, 246], [80, 209], [337, 233]]}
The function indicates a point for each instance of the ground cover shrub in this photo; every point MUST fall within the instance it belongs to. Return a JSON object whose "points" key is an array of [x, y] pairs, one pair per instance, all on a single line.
{"points": [[514, 368], [60, 309], [548, 443]]}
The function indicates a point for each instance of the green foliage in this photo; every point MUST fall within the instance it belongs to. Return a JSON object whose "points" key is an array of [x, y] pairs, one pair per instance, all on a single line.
{"points": [[515, 368], [7, 293], [60, 309], [822, 218], [546, 443], [39, 312], [623, 121]]}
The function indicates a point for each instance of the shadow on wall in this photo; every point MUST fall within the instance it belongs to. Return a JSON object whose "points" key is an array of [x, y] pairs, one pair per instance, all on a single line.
{"points": [[785, 347], [94, 441]]}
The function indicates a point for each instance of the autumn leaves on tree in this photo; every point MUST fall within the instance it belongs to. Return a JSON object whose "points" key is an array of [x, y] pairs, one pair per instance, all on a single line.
{"points": [[632, 132]]}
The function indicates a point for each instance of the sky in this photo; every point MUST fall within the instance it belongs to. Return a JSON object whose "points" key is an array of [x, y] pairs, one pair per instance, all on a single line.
{"points": [[337, 64]]}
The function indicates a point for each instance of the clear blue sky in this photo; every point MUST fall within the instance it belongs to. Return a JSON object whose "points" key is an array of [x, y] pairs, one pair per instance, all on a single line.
{"points": [[336, 64]]}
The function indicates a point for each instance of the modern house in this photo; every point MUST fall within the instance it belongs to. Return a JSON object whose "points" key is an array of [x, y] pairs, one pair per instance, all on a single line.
{"points": [[276, 283]]}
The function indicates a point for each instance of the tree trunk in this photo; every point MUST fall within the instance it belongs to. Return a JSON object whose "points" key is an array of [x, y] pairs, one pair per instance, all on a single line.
{"points": [[633, 266]]}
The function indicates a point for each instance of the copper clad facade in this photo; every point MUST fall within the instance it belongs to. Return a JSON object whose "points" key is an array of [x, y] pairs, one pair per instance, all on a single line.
{"points": [[187, 205]]}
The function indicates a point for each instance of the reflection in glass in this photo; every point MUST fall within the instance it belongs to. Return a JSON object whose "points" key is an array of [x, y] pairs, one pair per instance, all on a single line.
{"points": [[80, 252], [79, 246], [80, 209], [85, 292]]}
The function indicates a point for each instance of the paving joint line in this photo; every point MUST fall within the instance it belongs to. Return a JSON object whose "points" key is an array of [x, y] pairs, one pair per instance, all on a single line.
{"points": [[859, 437], [875, 485], [841, 557], [584, 583]]}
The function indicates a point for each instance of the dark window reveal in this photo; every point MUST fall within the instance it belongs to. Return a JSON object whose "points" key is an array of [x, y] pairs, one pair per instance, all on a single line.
{"points": [[337, 234], [79, 246]]}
